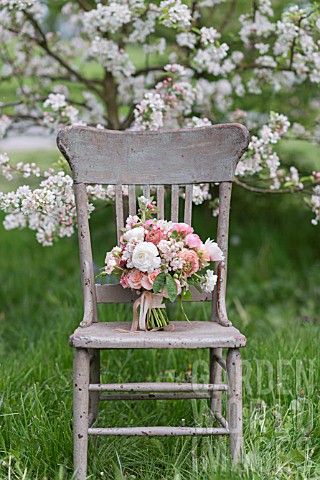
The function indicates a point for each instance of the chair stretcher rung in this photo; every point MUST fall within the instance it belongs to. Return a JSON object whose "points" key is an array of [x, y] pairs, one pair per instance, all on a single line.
{"points": [[221, 361], [222, 420], [155, 396], [158, 431], [157, 387]]}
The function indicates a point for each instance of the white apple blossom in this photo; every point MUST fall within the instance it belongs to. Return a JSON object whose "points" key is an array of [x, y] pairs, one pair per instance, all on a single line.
{"points": [[155, 65], [210, 59], [106, 18], [186, 39], [143, 200], [111, 57], [315, 205], [149, 113], [175, 14], [294, 179], [209, 35], [55, 101], [142, 28], [260, 153], [197, 122]]}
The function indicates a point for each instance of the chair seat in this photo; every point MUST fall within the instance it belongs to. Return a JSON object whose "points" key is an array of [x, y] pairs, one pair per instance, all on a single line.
{"points": [[195, 334]]}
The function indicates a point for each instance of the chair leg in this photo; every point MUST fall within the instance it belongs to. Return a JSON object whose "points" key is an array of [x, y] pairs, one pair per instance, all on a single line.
{"points": [[81, 371], [215, 377], [94, 378], [234, 375]]}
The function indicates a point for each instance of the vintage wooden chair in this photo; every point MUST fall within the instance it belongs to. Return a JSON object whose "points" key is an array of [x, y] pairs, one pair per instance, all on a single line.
{"points": [[176, 158]]}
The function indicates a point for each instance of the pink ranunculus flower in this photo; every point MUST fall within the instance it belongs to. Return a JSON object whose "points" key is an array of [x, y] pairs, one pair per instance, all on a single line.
{"points": [[193, 240], [148, 279], [165, 293], [154, 236], [216, 254], [124, 281], [134, 278], [149, 222], [191, 261], [183, 228]]}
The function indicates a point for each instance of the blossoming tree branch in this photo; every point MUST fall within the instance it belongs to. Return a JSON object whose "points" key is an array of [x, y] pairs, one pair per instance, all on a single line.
{"points": [[135, 64]]}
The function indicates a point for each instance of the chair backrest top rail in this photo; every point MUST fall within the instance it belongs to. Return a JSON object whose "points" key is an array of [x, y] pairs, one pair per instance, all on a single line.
{"points": [[155, 158]]}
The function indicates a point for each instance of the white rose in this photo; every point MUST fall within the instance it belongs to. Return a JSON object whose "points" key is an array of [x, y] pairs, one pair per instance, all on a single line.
{"points": [[136, 234], [145, 257], [213, 250]]}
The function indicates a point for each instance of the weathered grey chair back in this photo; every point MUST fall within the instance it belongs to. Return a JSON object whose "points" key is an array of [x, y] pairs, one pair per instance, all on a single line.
{"points": [[175, 158]]}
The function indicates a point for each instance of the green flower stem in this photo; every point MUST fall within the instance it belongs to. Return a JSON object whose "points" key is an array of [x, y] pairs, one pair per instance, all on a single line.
{"points": [[157, 318]]}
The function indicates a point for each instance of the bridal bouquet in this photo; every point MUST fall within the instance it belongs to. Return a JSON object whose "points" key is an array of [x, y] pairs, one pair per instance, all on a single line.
{"points": [[160, 260]]}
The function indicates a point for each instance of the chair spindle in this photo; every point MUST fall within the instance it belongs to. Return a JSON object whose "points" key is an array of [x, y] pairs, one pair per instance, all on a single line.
{"points": [[119, 210], [175, 203], [146, 191], [132, 200], [160, 200], [188, 204]]}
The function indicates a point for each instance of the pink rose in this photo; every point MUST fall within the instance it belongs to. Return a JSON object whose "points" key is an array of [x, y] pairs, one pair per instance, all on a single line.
{"points": [[148, 279], [145, 283], [134, 278], [154, 236], [193, 240], [191, 259], [165, 294], [183, 228], [152, 276]]}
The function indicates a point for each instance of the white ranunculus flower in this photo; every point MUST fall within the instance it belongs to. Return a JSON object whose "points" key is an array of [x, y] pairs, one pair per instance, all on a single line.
{"points": [[146, 257], [213, 250], [209, 281], [136, 234]]}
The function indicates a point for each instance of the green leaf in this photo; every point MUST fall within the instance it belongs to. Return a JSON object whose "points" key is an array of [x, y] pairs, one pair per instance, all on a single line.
{"points": [[309, 178], [171, 287], [174, 234], [296, 456], [187, 295], [157, 284]]}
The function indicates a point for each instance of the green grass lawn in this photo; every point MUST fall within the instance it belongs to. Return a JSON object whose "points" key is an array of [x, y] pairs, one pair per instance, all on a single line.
{"points": [[273, 297]]}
